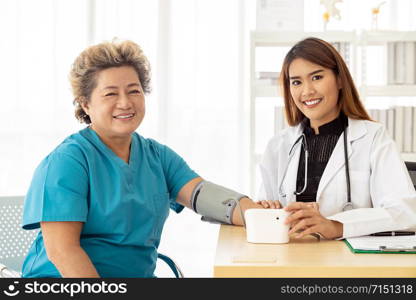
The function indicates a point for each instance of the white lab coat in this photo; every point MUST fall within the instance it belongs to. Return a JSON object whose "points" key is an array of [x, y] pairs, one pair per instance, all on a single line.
{"points": [[382, 192]]}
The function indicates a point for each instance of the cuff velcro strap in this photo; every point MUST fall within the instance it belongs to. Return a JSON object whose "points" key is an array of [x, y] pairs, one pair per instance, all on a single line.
{"points": [[214, 201]]}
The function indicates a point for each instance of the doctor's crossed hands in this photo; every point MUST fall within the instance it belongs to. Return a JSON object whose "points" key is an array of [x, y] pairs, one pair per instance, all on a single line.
{"points": [[305, 219]]}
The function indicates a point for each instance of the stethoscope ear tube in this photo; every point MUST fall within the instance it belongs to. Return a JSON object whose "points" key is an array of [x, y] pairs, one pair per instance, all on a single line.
{"points": [[305, 149], [347, 170], [282, 194], [295, 143]]}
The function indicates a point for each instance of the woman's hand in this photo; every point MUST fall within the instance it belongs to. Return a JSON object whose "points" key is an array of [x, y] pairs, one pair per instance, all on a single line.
{"points": [[305, 219], [244, 204], [270, 204]]}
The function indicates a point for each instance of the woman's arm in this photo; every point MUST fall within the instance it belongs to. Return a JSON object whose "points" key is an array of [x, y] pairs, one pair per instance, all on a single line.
{"points": [[62, 243], [185, 194]]}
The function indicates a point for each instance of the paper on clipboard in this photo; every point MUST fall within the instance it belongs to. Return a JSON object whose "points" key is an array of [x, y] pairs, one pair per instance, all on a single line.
{"points": [[386, 243]]}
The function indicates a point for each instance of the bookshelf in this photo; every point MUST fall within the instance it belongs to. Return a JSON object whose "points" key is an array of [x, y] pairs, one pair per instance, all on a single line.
{"points": [[387, 87], [357, 57]]}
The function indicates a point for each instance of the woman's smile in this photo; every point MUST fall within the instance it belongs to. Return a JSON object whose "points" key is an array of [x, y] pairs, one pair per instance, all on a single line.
{"points": [[312, 102], [124, 117]]}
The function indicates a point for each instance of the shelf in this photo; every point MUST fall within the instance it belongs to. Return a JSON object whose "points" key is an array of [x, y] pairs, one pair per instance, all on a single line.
{"points": [[389, 90], [382, 37], [409, 156], [272, 38]]}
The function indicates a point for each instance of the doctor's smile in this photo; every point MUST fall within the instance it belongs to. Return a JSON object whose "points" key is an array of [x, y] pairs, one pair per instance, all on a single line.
{"points": [[312, 103]]}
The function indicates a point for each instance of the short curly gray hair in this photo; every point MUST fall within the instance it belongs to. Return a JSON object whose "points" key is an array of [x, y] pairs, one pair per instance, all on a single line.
{"points": [[102, 56]]}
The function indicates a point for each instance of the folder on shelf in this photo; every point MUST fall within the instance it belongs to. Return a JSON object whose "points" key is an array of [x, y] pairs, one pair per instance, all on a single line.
{"points": [[382, 244]]}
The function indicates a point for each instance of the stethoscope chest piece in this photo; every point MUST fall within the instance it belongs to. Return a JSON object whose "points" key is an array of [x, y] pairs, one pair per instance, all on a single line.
{"points": [[347, 206]]}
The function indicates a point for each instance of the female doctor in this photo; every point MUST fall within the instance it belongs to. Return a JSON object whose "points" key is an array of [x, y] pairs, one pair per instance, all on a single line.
{"points": [[335, 170], [102, 196]]}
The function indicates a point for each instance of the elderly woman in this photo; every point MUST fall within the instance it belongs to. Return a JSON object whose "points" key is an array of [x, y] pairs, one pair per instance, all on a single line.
{"points": [[102, 196]]}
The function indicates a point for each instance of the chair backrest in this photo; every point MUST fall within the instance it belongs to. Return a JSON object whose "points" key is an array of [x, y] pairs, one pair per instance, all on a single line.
{"points": [[411, 167], [14, 240]]}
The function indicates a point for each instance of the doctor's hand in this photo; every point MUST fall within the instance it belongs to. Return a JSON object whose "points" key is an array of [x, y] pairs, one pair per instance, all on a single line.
{"points": [[270, 204], [305, 219]]}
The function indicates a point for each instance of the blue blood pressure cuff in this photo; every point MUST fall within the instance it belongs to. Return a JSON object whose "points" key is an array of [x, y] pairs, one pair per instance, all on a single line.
{"points": [[214, 202]]}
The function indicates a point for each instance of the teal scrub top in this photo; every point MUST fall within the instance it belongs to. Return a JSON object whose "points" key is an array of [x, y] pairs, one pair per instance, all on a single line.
{"points": [[123, 206]]}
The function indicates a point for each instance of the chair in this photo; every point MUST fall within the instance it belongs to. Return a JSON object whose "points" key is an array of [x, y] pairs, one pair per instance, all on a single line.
{"points": [[411, 167], [15, 241]]}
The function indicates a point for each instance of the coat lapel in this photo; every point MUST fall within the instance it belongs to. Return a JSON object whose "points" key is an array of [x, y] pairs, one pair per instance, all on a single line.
{"points": [[356, 129]]}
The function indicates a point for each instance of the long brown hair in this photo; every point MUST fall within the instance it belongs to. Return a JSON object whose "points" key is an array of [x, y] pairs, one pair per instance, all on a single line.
{"points": [[324, 54]]}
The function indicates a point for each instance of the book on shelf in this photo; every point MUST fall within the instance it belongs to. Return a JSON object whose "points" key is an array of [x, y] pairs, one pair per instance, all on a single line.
{"points": [[345, 52], [267, 75], [337, 46], [391, 64], [343, 49], [414, 62], [408, 129], [390, 122], [400, 123], [382, 117], [414, 129], [398, 127], [373, 114], [267, 78], [400, 63], [410, 63]]}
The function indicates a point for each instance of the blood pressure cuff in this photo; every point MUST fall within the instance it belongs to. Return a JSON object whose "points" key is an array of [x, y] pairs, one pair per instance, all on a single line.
{"points": [[214, 202]]}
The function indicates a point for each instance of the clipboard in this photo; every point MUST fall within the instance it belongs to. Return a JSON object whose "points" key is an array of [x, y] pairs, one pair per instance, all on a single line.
{"points": [[382, 245]]}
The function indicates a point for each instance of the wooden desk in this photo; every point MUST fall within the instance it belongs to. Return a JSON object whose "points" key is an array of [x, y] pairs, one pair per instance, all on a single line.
{"points": [[306, 257]]}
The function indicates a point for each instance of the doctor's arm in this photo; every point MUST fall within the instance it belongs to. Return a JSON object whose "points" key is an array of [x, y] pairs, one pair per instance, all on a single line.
{"points": [[62, 243], [185, 195], [306, 219], [392, 194]]}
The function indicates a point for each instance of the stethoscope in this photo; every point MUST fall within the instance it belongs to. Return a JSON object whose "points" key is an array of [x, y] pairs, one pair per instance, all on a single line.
{"points": [[301, 140]]}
